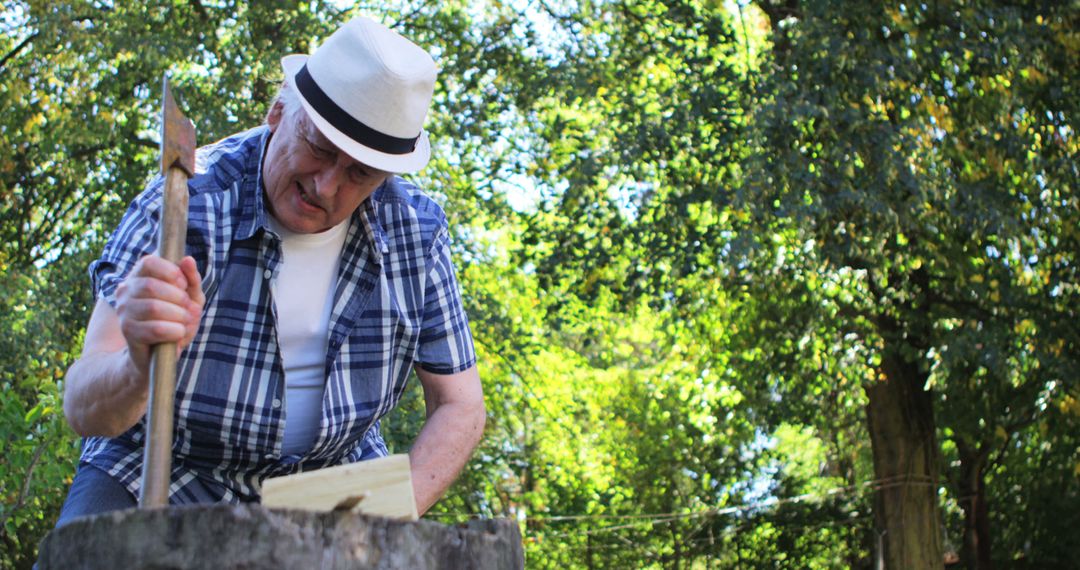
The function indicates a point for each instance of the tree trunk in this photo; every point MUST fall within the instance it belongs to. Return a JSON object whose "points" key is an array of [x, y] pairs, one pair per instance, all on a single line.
{"points": [[976, 549], [677, 541], [901, 423], [588, 549], [241, 537]]}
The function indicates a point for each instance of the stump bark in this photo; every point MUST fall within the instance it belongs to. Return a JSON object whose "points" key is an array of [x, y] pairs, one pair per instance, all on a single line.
{"points": [[251, 536]]}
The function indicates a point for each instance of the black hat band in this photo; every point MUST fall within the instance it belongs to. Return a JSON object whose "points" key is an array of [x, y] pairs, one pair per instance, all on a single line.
{"points": [[346, 123]]}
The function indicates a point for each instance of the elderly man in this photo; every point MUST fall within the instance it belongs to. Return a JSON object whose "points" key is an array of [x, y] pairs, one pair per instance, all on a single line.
{"points": [[315, 278]]}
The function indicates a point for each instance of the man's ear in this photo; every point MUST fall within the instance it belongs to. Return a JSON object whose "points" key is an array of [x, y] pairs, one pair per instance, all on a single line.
{"points": [[273, 116]]}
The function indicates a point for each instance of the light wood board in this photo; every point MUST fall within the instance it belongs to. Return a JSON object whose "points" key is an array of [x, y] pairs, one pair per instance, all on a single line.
{"points": [[380, 486]]}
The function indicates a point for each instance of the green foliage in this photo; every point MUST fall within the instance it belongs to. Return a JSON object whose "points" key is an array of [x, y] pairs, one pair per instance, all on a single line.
{"points": [[689, 234], [1036, 514], [41, 314]]}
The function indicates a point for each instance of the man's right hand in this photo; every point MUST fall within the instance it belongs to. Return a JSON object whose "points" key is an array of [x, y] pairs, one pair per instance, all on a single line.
{"points": [[107, 388], [158, 302]]}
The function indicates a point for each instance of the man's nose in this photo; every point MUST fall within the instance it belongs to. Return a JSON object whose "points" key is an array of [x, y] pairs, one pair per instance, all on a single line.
{"points": [[329, 179]]}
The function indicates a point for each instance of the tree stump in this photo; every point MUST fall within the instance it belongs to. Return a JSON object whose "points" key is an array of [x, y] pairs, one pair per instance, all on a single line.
{"points": [[251, 536]]}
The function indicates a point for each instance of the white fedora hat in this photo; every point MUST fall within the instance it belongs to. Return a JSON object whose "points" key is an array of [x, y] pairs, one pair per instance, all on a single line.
{"points": [[367, 89]]}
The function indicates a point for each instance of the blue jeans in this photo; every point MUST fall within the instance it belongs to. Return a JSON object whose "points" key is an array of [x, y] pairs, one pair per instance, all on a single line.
{"points": [[92, 492]]}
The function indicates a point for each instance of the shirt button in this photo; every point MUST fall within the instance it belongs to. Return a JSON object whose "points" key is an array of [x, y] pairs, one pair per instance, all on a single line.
{"points": [[276, 403], [267, 274]]}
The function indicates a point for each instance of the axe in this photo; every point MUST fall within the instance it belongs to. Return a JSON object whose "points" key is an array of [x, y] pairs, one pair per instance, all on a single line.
{"points": [[177, 165]]}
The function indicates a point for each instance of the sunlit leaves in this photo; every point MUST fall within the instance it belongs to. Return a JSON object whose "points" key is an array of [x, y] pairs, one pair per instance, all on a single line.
{"points": [[686, 233]]}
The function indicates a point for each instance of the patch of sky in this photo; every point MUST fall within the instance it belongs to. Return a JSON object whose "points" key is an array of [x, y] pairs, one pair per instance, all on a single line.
{"points": [[628, 196], [1065, 131], [522, 193], [479, 245], [13, 21], [949, 87], [759, 487]]}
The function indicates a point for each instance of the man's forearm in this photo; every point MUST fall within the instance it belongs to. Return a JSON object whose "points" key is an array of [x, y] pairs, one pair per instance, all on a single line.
{"points": [[104, 395], [444, 445], [107, 388]]}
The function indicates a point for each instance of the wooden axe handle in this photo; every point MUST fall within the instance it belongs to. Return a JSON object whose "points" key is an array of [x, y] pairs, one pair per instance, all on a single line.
{"points": [[157, 458]]}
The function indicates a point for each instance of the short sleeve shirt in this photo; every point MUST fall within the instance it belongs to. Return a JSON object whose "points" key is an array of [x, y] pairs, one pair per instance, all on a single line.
{"points": [[396, 304]]}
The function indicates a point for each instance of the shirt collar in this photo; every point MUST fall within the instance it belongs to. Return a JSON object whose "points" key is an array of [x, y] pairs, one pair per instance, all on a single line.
{"points": [[367, 216], [250, 193]]}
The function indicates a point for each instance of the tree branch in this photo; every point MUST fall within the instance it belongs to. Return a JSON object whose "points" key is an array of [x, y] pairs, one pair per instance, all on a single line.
{"points": [[25, 489], [777, 12], [407, 17], [15, 51], [199, 8], [144, 142]]}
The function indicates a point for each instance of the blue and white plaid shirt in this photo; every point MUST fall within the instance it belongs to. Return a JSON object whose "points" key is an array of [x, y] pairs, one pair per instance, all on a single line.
{"points": [[396, 304]]}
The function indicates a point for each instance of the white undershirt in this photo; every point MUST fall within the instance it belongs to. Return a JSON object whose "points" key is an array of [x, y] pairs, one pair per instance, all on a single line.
{"points": [[303, 296]]}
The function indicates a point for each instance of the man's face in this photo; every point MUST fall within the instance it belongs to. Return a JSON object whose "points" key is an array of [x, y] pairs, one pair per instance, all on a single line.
{"points": [[311, 186]]}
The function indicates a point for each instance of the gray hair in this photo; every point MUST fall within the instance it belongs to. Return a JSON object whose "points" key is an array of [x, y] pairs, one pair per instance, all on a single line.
{"points": [[291, 107]]}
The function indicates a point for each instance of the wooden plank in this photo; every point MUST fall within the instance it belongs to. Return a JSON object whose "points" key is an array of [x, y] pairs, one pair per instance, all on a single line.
{"points": [[377, 487]]}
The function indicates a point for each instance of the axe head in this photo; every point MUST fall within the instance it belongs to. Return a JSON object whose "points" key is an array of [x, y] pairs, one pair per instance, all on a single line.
{"points": [[177, 135]]}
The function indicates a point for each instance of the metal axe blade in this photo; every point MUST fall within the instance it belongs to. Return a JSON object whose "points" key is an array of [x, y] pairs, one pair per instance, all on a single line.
{"points": [[177, 134]]}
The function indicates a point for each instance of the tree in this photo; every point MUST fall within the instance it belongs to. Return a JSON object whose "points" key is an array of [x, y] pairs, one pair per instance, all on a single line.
{"points": [[908, 145]]}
